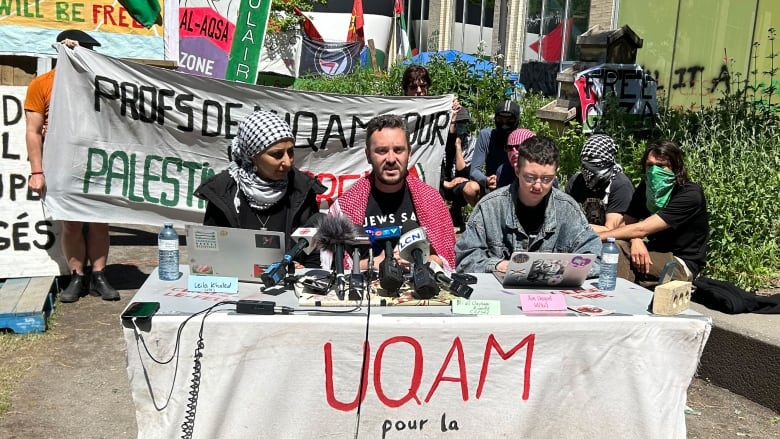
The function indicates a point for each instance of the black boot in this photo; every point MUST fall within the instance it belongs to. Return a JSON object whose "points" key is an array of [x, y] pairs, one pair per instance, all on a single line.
{"points": [[73, 291], [100, 285]]}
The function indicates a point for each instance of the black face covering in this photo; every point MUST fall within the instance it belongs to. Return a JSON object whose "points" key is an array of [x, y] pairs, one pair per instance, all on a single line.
{"points": [[596, 175], [598, 161]]}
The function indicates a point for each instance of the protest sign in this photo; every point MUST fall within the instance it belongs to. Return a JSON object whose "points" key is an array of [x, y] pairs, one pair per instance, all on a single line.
{"points": [[130, 143], [29, 243]]}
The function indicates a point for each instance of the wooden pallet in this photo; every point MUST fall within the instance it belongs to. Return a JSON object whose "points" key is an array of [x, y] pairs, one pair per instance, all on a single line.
{"points": [[25, 303]]}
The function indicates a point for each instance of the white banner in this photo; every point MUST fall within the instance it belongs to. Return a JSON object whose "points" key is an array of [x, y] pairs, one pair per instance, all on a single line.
{"points": [[29, 244], [425, 377], [130, 143]]}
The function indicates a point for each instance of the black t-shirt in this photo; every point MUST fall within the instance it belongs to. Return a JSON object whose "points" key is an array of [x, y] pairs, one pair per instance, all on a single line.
{"points": [[688, 220], [592, 201], [532, 218], [389, 209]]}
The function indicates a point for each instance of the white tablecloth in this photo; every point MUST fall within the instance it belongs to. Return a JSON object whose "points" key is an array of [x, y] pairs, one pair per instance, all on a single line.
{"points": [[429, 373]]}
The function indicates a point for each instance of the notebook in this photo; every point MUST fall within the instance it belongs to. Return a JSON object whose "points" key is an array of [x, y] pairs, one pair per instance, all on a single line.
{"points": [[529, 269], [225, 251]]}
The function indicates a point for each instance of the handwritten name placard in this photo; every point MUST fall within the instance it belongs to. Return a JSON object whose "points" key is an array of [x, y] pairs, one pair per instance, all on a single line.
{"points": [[477, 307], [542, 302], [213, 284]]}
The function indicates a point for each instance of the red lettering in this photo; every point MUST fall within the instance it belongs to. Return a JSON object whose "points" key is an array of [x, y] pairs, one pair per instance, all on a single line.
{"points": [[328, 196], [416, 373], [493, 344], [106, 13], [329, 391], [457, 346]]}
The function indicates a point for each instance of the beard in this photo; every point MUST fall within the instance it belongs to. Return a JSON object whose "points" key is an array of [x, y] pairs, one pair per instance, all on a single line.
{"points": [[380, 176]]}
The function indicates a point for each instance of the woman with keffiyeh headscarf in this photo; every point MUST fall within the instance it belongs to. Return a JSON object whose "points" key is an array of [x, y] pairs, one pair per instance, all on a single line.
{"points": [[602, 189], [261, 189]]}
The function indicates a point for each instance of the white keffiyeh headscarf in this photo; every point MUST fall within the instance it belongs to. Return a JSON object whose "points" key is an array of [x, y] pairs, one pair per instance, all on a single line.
{"points": [[255, 134]]}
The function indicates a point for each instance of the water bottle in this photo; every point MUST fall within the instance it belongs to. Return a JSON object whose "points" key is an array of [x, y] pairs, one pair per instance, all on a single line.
{"points": [[168, 256], [609, 263]]}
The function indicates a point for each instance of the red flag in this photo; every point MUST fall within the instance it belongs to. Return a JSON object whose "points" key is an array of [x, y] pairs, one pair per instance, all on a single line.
{"points": [[355, 32], [551, 43], [308, 27]]}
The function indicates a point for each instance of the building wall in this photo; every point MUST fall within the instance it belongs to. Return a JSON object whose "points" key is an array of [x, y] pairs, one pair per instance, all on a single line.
{"points": [[698, 50]]}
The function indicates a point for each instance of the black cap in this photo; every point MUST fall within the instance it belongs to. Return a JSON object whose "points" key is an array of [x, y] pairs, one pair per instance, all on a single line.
{"points": [[463, 114], [508, 108], [82, 37]]}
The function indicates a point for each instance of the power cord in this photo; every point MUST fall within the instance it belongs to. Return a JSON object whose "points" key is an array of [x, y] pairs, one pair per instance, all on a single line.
{"points": [[367, 295], [188, 424]]}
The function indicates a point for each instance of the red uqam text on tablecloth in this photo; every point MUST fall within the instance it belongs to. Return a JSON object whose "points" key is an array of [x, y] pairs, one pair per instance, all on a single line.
{"points": [[416, 371]]}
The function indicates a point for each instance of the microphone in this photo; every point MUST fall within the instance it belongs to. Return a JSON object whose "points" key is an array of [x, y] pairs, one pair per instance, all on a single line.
{"points": [[278, 270], [333, 234], [455, 287], [391, 275], [414, 245]]}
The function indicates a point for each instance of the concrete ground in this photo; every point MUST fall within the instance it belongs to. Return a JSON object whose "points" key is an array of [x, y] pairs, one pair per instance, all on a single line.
{"points": [[74, 384]]}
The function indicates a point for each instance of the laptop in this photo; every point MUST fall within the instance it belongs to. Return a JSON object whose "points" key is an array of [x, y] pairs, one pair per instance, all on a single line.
{"points": [[529, 269], [229, 252]]}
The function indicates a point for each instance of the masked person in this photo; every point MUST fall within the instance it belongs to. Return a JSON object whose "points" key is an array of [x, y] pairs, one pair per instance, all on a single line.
{"points": [[666, 221], [601, 188], [489, 153], [516, 138], [456, 165], [261, 189]]}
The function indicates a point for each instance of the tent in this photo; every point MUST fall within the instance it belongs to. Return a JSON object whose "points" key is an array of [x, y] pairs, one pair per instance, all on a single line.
{"points": [[478, 65]]}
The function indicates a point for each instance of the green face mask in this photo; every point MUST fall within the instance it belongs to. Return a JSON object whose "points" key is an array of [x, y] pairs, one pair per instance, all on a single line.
{"points": [[660, 183]]}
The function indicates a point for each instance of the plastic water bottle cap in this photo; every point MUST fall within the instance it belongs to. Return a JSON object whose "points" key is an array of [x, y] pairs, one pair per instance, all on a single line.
{"points": [[610, 239], [170, 224]]}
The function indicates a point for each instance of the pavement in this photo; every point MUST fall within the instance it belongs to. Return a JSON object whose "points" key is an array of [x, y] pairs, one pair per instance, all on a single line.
{"points": [[74, 384], [743, 355]]}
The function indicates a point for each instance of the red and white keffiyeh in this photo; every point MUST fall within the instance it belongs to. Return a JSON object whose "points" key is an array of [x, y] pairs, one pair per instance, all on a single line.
{"points": [[431, 210]]}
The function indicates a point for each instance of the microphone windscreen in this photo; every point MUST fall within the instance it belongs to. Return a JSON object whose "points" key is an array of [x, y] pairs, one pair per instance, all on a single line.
{"points": [[334, 230], [409, 225]]}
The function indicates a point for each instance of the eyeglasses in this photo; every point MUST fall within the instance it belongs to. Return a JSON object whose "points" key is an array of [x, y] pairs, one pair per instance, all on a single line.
{"points": [[511, 147], [414, 87], [545, 179]]}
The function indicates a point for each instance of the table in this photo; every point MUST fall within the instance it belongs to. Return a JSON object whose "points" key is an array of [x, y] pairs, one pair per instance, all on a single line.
{"points": [[428, 373]]}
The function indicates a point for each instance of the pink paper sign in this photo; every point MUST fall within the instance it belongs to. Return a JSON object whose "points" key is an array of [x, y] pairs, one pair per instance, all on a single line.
{"points": [[542, 302]]}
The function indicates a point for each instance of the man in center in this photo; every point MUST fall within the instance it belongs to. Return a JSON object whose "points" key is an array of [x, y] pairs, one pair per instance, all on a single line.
{"points": [[528, 215], [391, 196]]}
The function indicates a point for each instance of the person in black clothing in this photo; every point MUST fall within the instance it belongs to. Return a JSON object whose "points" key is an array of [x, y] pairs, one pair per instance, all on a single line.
{"points": [[667, 211], [261, 189], [601, 188], [455, 166]]}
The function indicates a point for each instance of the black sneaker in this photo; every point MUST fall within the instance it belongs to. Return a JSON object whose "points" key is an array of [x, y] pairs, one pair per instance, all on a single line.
{"points": [[73, 292], [99, 285]]}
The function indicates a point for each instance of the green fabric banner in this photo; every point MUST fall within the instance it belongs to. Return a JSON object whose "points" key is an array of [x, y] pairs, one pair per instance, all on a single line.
{"points": [[248, 40]]}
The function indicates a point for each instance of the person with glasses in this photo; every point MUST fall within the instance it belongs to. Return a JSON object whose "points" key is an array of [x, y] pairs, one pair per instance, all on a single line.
{"points": [[261, 189], [416, 81], [528, 215], [666, 221], [601, 188]]}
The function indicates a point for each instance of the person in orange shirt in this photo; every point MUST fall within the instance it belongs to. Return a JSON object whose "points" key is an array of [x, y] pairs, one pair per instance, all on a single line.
{"points": [[76, 245]]}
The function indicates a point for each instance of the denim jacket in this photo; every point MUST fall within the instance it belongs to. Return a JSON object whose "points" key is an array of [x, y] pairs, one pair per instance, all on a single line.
{"points": [[493, 232]]}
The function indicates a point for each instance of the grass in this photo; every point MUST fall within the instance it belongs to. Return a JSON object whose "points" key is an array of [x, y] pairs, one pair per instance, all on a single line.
{"points": [[19, 353]]}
